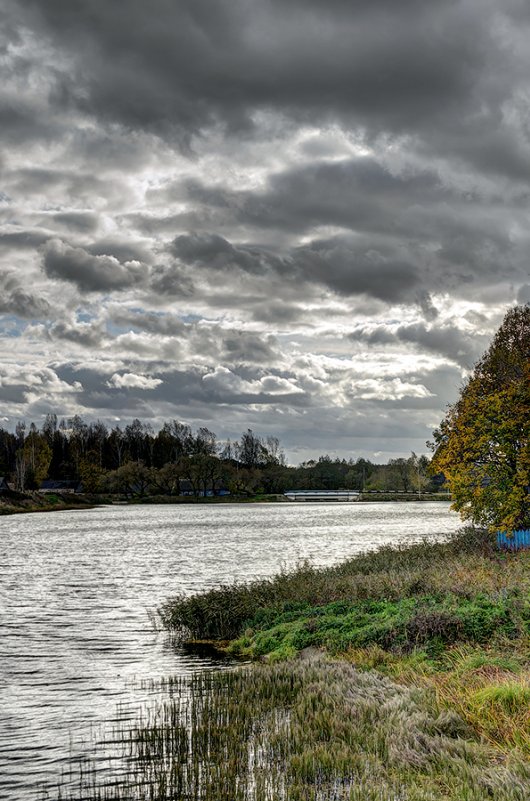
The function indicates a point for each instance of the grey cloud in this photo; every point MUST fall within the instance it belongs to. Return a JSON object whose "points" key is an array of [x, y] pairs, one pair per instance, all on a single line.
{"points": [[88, 335], [111, 149], [440, 237], [18, 124], [447, 340], [352, 269], [216, 253], [523, 295], [346, 266], [277, 312], [18, 383], [16, 300], [171, 281], [209, 340], [21, 239], [122, 249], [75, 188], [90, 273], [203, 388], [24, 304], [82, 222], [359, 193], [240, 346], [164, 324], [32, 180]]}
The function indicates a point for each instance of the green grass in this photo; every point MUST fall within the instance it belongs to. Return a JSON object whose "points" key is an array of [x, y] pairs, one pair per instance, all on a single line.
{"points": [[429, 621]]}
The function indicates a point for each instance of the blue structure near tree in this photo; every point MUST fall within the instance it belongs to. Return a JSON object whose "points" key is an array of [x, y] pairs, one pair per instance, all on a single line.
{"points": [[517, 540]]}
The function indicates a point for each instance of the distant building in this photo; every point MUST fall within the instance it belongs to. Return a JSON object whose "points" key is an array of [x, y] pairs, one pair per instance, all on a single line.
{"points": [[186, 488], [59, 485], [322, 495]]}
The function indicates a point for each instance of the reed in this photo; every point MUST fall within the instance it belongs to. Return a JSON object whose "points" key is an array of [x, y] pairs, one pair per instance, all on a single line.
{"points": [[312, 729]]}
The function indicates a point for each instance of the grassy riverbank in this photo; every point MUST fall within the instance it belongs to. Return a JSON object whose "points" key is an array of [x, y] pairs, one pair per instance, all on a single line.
{"points": [[452, 619], [399, 675], [12, 503]]}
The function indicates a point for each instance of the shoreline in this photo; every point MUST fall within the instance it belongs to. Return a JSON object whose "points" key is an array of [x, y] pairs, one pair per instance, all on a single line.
{"points": [[399, 673], [27, 503]]}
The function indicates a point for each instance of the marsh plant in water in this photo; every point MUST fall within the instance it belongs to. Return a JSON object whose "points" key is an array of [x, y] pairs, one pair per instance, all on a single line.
{"points": [[310, 729]]}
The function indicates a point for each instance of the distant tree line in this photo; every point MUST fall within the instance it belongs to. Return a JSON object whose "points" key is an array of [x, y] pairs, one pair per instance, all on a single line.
{"points": [[137, 461]]}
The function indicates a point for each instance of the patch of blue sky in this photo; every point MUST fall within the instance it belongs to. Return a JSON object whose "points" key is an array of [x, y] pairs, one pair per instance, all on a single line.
{"points": [[84, 316], [12, 326], [185, 318], [191, 318], [115, 330]]}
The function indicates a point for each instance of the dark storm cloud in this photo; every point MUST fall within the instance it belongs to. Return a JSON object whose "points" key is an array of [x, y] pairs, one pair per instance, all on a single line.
{"points": [[90, 273], [344, 265], [184, 65], [359, 193], [424, 228]]}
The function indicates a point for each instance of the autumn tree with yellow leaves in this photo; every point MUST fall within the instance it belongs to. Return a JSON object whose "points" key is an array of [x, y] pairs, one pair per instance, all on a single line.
{"points": [[482, 445]]}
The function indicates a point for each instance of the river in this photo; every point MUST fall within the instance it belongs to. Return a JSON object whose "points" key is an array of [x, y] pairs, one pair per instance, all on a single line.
{"points": [[77, 587]]}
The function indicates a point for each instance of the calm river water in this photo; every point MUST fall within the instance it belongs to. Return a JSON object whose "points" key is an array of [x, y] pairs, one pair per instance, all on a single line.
{"points": [[76, 643]]}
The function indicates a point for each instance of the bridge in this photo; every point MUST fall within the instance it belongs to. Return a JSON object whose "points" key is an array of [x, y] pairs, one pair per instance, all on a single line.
{"points": [[322, 495]]}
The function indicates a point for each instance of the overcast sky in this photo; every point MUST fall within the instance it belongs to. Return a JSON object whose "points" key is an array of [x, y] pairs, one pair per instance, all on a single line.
{"points": [[302, 217]]}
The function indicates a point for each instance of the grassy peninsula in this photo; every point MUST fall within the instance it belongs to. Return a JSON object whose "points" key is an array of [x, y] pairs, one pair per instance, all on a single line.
{"points": [[400, 674]]}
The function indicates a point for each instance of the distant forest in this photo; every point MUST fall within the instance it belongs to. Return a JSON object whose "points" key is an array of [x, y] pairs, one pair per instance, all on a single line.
{"points": [[136, 460]]}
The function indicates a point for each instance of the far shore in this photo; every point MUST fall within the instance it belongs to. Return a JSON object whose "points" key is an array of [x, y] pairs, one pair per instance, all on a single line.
{"points": [[19, 503]]}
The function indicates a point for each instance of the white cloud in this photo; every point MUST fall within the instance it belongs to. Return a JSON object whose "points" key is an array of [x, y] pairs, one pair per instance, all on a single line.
{"points": [[133, 381]]}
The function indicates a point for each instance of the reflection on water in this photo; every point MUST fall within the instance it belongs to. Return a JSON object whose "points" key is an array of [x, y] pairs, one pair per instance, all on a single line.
{"points": [[78, 587]]}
